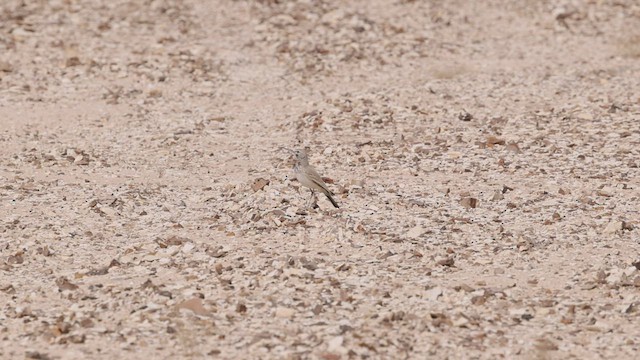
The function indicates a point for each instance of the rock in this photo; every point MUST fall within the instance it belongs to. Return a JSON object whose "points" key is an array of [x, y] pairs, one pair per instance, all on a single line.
{"points": [[617, 277], [493, 140], [241, 308], [631, 271], [194, 305], [461, 321], [606, 192], [335, 345], [36, 355], [543, 344], [469, 202], [585, 116], [5, 67], [76, 338], [420, 149], [283, 312], [64, 284], [506, 189], [259, 184], [465, 116], [106, 210], [415, 232], [513, 147], [188, 247], [613, 227], [433, 294], [82, 159], [449, 261], [20, 34]]}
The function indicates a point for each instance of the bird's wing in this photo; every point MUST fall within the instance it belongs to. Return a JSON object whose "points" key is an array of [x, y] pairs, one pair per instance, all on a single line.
{"points": [[317, 179]]}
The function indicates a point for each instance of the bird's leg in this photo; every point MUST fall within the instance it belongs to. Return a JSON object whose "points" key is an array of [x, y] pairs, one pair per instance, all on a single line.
{"points": [[310, 198], [313, 201]]}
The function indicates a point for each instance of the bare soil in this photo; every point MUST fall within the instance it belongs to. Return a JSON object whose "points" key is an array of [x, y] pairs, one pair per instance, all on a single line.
{"points": [[484, 154]]}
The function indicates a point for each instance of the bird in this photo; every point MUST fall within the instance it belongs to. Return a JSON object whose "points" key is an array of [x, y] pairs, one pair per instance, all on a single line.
{"points": [[309, 177]]}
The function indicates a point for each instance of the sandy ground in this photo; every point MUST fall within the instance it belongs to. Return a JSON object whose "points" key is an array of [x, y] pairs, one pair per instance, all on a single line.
{"points": [[484, 153]]}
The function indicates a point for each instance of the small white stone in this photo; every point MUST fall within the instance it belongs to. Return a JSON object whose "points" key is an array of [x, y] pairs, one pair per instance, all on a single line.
{"points": [[283, 312], [335, 345], [433, 294], [630, 271], [613, 227], [615, 276], [188, 247], [415, 232]]}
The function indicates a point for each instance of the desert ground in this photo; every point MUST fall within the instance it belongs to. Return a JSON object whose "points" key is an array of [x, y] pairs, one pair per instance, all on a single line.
{"points": [[484, 155]]}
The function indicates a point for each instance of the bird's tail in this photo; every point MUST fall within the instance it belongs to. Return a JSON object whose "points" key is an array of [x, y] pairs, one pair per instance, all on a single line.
{"points": [[335, 204]]}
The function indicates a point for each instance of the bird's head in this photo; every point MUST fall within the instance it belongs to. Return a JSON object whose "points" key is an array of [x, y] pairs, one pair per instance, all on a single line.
{"points": [[302, 157]]}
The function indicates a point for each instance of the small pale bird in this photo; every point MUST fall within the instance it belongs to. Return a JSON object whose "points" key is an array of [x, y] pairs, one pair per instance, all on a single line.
{"points": [[309, 177]]}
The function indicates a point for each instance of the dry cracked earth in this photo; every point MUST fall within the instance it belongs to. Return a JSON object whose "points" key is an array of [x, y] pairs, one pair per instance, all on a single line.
{"points": [[484, 153]]}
